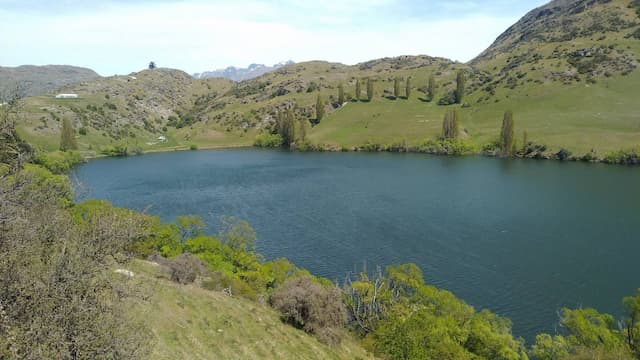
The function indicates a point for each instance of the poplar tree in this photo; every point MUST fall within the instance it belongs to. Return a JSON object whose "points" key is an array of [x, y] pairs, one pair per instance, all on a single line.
{"points": [[407, 90], [369, 89], [507, 135], [396, 87], [289, 135], [341, 94], [358, 90], [450, 124], [304, 129], [431, 88], [460, 82], [319, 109], [67, 136]]}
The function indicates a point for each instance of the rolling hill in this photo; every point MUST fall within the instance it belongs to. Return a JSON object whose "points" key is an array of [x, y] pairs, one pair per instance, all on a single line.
{"points": [[35, 80], [568, 70]]}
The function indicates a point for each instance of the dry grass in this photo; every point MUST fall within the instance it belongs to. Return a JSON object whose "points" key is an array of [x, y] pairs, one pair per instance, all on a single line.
{"points": [[189, 322]]}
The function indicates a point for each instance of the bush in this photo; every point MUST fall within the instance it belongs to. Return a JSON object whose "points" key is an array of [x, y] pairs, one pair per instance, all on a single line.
{"points": [[59, 162], [448, 99], [115, 151], [266, 140], [307, 305], [455, 147], [193, 147], [623, 157], [185, 268], [563, 154]]}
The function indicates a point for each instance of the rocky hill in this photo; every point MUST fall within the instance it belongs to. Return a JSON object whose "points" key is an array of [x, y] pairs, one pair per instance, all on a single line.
{"points": [[568, 70], [35, 80]]}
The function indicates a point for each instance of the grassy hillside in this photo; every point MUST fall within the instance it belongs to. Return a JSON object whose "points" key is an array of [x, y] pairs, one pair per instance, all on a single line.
{"points": [[189, 322], [568, 70]]}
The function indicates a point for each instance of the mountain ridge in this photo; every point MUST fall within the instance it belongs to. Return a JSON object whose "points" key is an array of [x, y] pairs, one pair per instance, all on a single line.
{"points": [[240, 74]]}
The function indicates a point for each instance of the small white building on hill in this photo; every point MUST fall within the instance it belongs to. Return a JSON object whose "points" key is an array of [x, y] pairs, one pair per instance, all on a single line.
{"points": [[67, 96]]}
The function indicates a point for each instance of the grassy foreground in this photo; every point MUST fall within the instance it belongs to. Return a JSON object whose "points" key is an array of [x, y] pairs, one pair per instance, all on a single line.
{"points": [[188, 322]]}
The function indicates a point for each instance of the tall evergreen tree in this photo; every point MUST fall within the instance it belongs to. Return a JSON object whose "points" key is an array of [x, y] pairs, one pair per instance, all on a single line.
{"points": [[358, 90], [507, 135], [460, 83], [369, 89], [396, 87], [340, 94], [407, 91], [67, 136], [431, 88], [319, 109], [450, 125]]}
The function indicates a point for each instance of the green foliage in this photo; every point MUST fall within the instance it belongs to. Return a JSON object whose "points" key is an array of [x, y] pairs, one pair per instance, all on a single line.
{"points": [[455, 147], [460, 86], [632, 322], [451, 124], [268, 140], [286, 127], [403, 318], [507, 135], [319, 109], [448, 99], [193, 147], [358, 90], [623, 157], [431, 88], [407, 88], [59, 162], [340, 94], [396, 87], [589, 334], [549, 347], [115, 151], [67, 136], [303, 130], [370, 90], [181, 121]]}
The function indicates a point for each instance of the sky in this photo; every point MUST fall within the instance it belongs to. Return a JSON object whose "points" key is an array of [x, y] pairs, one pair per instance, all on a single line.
{"points": [[123, 36]]}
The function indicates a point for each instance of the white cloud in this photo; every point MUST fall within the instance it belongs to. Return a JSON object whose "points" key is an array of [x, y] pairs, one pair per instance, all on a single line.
{"points": [[197, 36]]}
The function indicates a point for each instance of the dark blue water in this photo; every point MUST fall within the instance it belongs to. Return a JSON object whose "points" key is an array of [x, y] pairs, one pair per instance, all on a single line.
{"points": [[521, 238]]}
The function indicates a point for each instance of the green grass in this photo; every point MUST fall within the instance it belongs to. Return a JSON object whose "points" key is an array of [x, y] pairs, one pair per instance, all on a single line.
{"points": [[188, 322]]}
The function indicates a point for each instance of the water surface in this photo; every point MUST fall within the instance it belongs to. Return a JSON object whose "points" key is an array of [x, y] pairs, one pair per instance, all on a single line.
{"points": [[521, 238]]}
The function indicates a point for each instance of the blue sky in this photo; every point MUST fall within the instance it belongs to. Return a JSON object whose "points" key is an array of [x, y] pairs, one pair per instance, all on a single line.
{"points": [[121, 36]]}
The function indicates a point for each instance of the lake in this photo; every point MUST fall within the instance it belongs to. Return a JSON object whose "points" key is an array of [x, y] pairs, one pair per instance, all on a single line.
{"points": [[521, 238]]}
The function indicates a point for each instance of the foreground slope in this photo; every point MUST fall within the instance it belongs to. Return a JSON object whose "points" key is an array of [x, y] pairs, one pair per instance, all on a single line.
{"points": [[188, 322]]}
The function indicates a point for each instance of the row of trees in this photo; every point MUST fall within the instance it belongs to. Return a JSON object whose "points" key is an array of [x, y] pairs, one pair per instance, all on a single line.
{"points": [[455, 96], [507, 143]]}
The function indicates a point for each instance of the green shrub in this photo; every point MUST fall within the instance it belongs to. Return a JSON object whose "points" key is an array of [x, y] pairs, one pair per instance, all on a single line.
{"points": [[193, 147], [454, 147], [115, 151], [623, 157], [448, 99], [267, 140], [59, 162]]}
